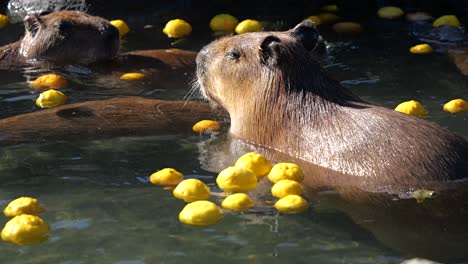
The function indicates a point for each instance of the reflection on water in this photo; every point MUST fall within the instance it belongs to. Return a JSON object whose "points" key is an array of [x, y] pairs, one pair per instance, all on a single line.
{"points": [[102, 209]]}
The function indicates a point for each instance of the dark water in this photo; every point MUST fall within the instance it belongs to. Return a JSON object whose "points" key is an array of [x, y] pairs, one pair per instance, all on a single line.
{"points": [[102, 209]]}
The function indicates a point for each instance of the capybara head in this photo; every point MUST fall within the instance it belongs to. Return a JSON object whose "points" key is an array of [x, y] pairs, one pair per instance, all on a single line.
{"points": [[69, 36], [234, 70]]}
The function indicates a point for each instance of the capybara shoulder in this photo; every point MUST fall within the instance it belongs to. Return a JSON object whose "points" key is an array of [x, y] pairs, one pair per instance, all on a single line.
{"points": [[62, 37], [279, 96]]}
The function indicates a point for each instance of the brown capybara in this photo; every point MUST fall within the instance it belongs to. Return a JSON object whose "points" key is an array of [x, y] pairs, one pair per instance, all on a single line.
{"points": [[128, 116], [279, 97], [60, 38]]}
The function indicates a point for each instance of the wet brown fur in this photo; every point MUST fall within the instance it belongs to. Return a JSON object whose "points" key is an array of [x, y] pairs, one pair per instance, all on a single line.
{"points": [[101, 119], [62, 37], [278, 96]]}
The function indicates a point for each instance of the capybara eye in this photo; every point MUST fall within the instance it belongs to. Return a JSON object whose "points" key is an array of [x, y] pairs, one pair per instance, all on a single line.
{"points": [[233, 55]]}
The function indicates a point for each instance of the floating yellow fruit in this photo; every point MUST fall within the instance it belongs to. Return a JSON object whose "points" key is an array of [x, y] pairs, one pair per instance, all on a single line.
{"points": [[132, 76], [237, 202], [418, 16], [421, 49], [236, 179], [248, 25], [411, 108], [51, 98], [254, 162], [286, 187], [166, 177], [330, 8], [191, 190], [328, 18], [421, 195], [314, 19], [206, 125], [49, 81], [25, 229], [350, 28], [121, 26], [177, 28], [286, 171], [4, 21], [456, 106], [291, 204], [23, 205], [223, 22], [449, 20], [390, 12], [200, 213]]}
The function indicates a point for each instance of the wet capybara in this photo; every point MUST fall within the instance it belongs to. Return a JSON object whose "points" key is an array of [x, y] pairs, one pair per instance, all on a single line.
{"points": [[60, 38], [127, 116], [278, 96]]}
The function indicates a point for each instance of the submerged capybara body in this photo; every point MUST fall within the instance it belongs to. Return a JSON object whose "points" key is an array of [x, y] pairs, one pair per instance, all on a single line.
{"points": [[62, 37], [279, 97]]}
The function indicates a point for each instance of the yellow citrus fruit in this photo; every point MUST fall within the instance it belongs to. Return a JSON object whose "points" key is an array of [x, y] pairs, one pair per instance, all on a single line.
{"points": [[248, 25], [49, 81], [25, 229], [177, 28], [418, 16], [449, 20], [330, 8], [291, 204], [200, 213], [237, 202], [224, 23], [350, 28], [4, 21], [328, 18], [206, 125], [254, 162], [121, 26], [314, 19], [132, 76], [411, 108], [421, 49], [286, 171], [390, 12], [51, 98], [23, 205], [286, 187], [166, 177], [236, 179], [191, 190], [456, 106]]}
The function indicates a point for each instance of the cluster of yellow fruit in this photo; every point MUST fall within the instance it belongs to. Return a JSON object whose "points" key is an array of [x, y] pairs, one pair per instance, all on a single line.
{"points": [[51, 97], [237, 179], [220, 24], [393, 12], [328, 17], [415, 108], [26, 227]]}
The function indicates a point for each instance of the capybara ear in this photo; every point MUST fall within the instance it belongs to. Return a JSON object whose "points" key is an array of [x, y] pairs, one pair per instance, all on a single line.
{"points": [[32, 23], [306, 32], [270, 50]]}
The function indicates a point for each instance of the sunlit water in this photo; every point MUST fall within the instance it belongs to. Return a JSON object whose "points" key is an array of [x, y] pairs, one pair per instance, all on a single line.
{"points": [[102, 209]]}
